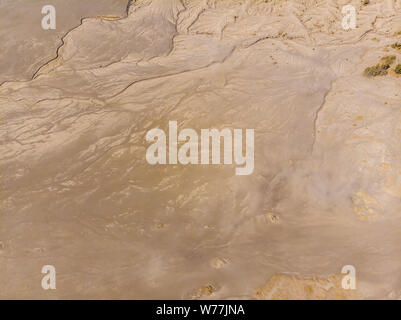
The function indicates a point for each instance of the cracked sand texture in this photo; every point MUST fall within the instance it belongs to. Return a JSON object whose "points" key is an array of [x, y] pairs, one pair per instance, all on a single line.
{"points": [[77, 192]]}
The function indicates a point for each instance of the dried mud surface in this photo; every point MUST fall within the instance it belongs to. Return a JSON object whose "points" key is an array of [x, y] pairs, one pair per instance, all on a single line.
{"points": [[77, 192]]}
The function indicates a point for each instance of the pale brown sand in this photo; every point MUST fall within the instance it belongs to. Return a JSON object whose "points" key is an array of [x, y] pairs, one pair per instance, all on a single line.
{"points": [[77, 192]]}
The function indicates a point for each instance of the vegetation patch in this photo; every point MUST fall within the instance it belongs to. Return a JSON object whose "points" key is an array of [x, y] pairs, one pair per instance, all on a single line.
{"points": [[388, 59], [377, 70], [381, 69], [396, 45]]}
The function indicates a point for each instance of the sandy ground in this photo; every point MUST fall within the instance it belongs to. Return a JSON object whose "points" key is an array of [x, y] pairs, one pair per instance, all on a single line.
{"points": [[77, 192]]}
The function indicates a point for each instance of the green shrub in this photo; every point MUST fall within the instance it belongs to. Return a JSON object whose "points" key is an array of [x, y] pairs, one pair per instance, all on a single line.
{"points": [[388, 59], [396, 45], [377, 70], [398, 69]]}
